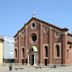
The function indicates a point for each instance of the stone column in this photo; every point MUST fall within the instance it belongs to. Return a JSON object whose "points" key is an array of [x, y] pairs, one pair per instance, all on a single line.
{"points": [[34, 59], [50, 46], [64, 47], [28, 60], [28, 63]]}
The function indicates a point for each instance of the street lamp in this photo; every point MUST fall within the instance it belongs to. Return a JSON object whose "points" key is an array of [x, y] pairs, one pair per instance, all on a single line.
{"points": [[10, 54]]}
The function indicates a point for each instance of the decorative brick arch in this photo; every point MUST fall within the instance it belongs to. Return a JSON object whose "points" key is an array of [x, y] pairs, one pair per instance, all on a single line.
{"points": [[32, 55]]}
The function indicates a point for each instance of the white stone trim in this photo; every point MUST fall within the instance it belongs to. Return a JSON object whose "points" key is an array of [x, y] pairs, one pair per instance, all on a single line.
{"points": [[33, 27], [56, 34], [19, 33], [44, 50], [45, 45], [28, 59], [65, 33], [22, 47], [30, 38], [22, 35], [45, 29]]}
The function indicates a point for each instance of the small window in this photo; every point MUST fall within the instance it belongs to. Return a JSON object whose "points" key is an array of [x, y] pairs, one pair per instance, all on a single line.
{"points": [[23, 52], [67, 53], [33, 25], [34, 37], [16, 53], [57, 51], [70, 47]]}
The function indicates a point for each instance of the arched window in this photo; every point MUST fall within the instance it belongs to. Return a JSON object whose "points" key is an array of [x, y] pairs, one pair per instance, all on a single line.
{"points": [[46, 51], [23, 52], [16, 53], [57, 51], [67, 53]]}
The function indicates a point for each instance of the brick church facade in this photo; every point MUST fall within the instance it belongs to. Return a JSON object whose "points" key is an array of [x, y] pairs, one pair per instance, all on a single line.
{"points": [[41, 43]]}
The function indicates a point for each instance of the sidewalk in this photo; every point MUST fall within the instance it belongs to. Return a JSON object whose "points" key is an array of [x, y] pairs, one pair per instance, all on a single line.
{"points": [[23, 68]]}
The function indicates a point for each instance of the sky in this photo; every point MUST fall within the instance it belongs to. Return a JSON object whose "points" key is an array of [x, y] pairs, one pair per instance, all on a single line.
{"points": [[15, 13]]}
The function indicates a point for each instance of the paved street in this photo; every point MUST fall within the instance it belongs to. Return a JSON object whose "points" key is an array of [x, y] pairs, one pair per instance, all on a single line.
{"points": [[34, 69]]}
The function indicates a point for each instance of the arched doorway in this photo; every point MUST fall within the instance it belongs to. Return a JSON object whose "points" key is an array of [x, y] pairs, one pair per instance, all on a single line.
{"points": [[33, 55]]}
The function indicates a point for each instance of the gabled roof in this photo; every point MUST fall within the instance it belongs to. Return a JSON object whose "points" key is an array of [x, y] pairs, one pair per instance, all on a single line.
{"points": [[49, 24]]}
